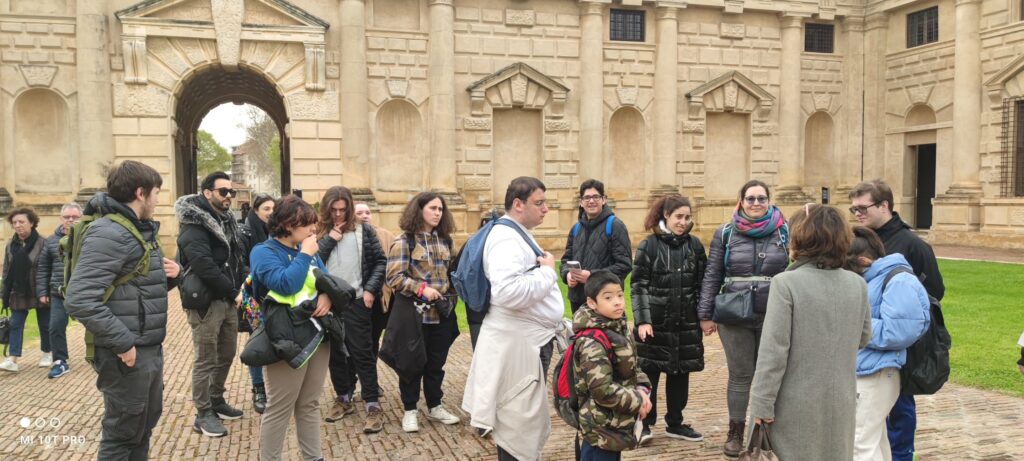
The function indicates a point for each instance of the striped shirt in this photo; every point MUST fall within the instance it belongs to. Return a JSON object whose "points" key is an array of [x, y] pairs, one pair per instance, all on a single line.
{"points": [[427, 262]]}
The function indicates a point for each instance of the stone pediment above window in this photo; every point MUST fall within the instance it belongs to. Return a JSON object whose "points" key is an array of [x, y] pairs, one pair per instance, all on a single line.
{"points": [[730, 92], [1007, 83], [518, 85], [227, 22]]}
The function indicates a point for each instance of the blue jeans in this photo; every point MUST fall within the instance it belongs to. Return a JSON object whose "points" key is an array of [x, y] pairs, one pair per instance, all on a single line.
{"points": [[592, 453], [256, 374], [58, 329], [901, 425], [18, 319]]}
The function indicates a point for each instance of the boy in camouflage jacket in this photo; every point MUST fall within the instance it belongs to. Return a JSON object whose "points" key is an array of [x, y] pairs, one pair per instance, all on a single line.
{"points": [[612, 393]]}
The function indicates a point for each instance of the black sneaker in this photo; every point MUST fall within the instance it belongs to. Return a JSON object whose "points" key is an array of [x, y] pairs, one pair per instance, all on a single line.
{"points": [[208, 425], [223, 410], [645, 435], [685, 432]]}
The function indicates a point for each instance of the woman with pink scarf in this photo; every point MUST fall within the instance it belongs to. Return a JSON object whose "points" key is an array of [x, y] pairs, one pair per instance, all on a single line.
{"points": [[745, 254]]}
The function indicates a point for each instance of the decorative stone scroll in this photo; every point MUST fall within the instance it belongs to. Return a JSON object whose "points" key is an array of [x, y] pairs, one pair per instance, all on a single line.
{"points": [[38, 76], [135, 67], [520, 18], [518, 85], [729, 30], [316, 67]]}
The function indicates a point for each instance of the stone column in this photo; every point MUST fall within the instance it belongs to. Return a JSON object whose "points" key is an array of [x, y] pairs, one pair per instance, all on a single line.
{"points": [[591, 91], [95, 88], [666, 98], [967, 101], [791, 165], [355, 113], [853, 69], [441, 75], [875, 37]]}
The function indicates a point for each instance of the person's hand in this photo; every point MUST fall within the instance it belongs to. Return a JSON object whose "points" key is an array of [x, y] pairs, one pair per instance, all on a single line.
{"points": [[570, 280], [336, 233], [368, 299], [1021, 368], [709, 327], [44, 299], [128, 357], [645, 331], [547, 259], [171, 268], [583, 275], [238, 300], [431, 294], [764, 421], [323, 305], [645, 407], [309, 245]]}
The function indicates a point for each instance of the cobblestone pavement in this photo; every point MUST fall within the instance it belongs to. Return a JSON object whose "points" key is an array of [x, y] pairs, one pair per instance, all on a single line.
{"points": [[957, 424]]}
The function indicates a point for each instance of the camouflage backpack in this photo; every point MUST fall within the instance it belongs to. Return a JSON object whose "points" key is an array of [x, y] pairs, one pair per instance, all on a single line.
{"points": [[70, 253]]}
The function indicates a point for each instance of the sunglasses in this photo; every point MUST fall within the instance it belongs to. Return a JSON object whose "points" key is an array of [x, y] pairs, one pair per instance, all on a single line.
{"points": [[226, 192], [862, 209], [762, 199]]}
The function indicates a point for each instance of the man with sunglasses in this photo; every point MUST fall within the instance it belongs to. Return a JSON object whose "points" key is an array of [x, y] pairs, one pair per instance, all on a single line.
{"points": [[209, 247], [872, 205]]}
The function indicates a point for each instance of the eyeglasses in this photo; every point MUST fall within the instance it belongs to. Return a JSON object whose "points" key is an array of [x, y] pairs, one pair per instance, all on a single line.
{"points": [[226, 192], [762, 199], [862, 209], [591, 198], [71, 218]]}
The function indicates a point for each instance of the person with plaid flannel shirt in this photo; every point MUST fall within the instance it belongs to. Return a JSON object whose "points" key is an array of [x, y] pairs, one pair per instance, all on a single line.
{"points": [[418, 268]]}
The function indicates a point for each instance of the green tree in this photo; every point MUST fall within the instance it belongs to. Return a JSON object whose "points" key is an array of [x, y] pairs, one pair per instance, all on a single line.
{"points": [[264, 134], [211, 156]]}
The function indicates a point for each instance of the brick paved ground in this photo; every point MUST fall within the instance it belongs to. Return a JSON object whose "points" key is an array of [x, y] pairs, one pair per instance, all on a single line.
{"points": [[958, 423]]}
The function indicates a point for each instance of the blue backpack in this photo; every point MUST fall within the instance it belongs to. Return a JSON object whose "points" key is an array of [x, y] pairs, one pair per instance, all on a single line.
{"points": [[607, 227], [470, 279]]}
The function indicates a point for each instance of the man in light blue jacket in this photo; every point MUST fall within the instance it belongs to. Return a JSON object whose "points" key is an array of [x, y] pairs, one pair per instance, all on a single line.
{"points": [[899, 316]]}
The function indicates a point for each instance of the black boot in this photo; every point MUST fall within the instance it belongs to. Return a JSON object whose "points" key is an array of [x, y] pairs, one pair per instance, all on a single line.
{"points": [[259, 398]]}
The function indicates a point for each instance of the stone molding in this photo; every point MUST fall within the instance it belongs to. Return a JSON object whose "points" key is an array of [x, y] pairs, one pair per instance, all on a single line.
{"points": [[135, 62], [518, 85], [730, 92], [591, 7], [1007, 83], [38, 76]]}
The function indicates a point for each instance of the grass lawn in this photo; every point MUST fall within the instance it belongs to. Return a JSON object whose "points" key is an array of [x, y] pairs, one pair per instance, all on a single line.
{"points": [[982, 308]]}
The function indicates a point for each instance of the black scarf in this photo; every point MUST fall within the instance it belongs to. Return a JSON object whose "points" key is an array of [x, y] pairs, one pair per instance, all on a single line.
{"points": [[257, 228], [20, 273]]}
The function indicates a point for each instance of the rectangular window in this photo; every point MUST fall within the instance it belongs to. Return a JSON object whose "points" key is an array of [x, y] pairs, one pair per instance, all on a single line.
{"points": [[627, 25], [923, 27], [1012, 184], [1017, 169], [819, 38]]}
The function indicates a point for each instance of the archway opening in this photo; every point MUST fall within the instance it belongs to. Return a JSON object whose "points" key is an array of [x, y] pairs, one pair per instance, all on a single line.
{"points": [[203, 93]]}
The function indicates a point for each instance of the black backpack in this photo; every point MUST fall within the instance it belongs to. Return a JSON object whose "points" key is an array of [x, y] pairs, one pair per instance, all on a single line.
{"points": [[927, 367]]}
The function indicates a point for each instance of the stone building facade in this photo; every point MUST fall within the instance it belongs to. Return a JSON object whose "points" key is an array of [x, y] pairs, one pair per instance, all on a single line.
{"points": [[390, 97]]}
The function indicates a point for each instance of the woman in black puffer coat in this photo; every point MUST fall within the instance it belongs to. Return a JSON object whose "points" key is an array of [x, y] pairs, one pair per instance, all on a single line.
{"points": [[667, 276]]}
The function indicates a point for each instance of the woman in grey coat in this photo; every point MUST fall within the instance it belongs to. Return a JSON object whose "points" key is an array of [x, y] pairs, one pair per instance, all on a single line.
{"points": [[805, 386]]}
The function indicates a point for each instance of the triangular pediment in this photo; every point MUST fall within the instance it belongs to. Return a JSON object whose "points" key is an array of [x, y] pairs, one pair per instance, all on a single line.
{"points": [[731, 92], [518, 85], [259, 13], [1008, 82]]}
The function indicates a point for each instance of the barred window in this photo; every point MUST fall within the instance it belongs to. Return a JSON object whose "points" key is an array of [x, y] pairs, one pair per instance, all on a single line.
{"points": [[923, 27], [819, 38], [1013, 148], [627, 25]]}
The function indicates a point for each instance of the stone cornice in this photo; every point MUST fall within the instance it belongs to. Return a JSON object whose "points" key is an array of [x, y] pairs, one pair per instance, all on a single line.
{"points": [[791, 20]]}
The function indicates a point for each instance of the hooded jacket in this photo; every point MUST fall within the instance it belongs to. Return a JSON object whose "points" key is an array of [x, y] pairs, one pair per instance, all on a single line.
{"points": [[609, 393], [899, 315], [208, 244], [50, 266], [136, 313], [667, 277], [898, 238], [595, 249]]}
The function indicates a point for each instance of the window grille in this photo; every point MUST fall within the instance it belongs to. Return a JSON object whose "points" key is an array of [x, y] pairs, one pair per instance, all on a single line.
{"points": [[819, 38], [627, 25], [923, 27], [1012, 161]]}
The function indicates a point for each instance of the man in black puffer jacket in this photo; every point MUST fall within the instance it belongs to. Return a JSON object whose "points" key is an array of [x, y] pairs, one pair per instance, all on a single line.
{"points": [[592, 245], [49, 280], [208, 246], [128, 328]]}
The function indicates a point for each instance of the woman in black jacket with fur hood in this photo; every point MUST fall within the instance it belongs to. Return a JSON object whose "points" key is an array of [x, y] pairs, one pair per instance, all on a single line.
{"points": [[667, 275]]}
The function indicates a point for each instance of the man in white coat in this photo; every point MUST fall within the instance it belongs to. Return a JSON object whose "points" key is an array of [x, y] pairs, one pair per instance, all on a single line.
{"points": [[506, 391]]}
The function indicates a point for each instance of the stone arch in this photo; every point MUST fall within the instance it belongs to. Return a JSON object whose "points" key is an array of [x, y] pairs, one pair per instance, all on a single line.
{"points": [[626, 149], [919, 114], [42, 143], [820, 165], [209, 87], [400, 155]]}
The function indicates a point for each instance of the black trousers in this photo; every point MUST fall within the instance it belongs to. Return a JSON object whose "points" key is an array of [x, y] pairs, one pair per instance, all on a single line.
{"points": [[132, 401], [379, 320], [362, 355], [437, 339], [677, 392]]}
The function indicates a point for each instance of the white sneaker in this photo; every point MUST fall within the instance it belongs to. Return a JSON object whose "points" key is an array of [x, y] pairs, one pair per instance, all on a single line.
{"points": [[410, 422], [46, 361], [441, 415], [9, 365]]}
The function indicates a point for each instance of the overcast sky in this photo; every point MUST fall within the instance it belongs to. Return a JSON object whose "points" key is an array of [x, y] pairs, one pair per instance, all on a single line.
{"points": [[227, 123]]}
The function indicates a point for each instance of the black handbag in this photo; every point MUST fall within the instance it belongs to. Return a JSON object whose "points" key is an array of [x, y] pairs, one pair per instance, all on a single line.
{"points": [[5, 327], [258, 350], [735, 307], [194, 294], [403, 348]]}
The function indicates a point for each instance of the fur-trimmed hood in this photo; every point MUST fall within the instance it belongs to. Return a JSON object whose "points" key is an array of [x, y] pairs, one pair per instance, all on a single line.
{"points": [[196, 210]]}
